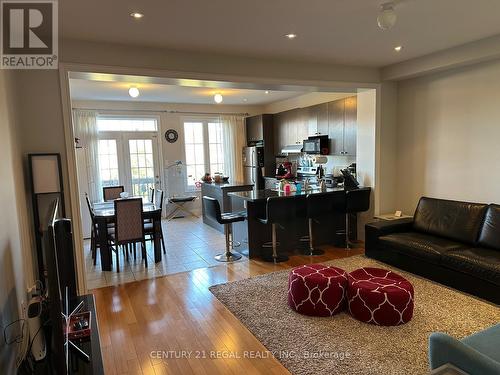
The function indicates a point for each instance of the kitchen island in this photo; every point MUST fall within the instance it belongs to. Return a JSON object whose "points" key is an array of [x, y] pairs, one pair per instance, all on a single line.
{"points": [[253, 234], [220, 192]]}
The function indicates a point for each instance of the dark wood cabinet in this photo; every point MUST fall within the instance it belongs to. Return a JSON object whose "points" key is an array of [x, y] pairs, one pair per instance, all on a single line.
{"points": [[336, 119], [336, 126], [255, 128], [260, 129], [317, 121], [350, 128], [342, 126]]}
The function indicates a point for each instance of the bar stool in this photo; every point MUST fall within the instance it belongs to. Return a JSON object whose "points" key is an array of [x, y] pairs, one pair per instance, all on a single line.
{"points": [[318, 206], [357, 200], [212, 210], [278, 211]]}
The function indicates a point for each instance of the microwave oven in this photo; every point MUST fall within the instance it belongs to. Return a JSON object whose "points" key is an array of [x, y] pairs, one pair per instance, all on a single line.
{"points": [[317, 145]]}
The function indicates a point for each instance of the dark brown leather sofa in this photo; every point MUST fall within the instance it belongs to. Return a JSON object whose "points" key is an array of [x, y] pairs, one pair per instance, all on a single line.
{"points": [[453, 243]]}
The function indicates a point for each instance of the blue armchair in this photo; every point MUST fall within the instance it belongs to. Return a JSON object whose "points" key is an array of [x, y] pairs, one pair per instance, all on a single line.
{"points": [[475, 354]]}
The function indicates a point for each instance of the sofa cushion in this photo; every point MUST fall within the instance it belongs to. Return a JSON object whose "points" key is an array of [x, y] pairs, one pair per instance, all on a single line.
{"points": [[479, 262], [459, 221], [419, 245], [490, 231]]}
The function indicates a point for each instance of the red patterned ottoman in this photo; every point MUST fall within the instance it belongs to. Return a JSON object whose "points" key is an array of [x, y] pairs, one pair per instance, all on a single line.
{"points": [[379, 297], [317, 290]]}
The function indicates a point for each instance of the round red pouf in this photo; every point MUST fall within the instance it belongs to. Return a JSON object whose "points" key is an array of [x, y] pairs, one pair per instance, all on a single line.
{"points": [[317, 290], [380, 297]]}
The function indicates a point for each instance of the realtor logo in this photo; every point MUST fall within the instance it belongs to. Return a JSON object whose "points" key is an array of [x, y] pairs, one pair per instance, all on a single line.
{"points": [[29, 34]]}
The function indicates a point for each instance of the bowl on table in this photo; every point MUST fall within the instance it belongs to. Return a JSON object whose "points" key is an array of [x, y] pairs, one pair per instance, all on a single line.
{"points": [[124, 195]]}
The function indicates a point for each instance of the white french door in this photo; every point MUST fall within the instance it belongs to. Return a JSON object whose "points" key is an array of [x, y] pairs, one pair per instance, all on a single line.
{"points": [[130, 159]]}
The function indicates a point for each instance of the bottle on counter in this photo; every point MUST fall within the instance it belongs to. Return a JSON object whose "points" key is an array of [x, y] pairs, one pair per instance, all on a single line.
{"points": [[306, 184], [298, 187], [322, 185]]}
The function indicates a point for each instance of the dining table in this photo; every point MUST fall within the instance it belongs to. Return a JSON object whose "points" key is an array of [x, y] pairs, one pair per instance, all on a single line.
{"points": [[104, 214]]}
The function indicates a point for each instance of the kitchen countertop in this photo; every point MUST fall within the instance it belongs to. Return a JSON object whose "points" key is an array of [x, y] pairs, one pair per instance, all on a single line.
{"points": [[262, 195], [227, 185]]}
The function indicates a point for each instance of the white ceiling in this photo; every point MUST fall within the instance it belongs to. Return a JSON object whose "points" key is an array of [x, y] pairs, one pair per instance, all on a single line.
{"points": [[341, 31], [150, 92]]}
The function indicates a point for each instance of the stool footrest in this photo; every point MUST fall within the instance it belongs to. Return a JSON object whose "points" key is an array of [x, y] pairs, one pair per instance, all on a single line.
{"points": [[227, 257], [312, 252], [278, 259]]}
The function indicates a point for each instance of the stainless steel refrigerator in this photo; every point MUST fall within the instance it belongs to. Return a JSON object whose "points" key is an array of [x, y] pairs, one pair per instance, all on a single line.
{"points": [[253, 165]]}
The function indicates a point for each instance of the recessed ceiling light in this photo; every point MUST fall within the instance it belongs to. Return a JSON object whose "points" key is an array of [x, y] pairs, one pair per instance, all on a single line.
{"points": [[218, 98], [398, 48], [136, 15], [133, 92], [291, 36], [266, 92]]}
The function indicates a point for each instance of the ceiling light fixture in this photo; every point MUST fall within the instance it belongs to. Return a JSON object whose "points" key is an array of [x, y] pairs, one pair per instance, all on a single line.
{"points": [[133, 92], [291, 36], [387, 16], [266, 92], [136, 15], [398, 48], [218, 98]]}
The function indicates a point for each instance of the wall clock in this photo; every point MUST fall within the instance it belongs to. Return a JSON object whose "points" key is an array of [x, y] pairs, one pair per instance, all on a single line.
{"points": [[171, 136]]}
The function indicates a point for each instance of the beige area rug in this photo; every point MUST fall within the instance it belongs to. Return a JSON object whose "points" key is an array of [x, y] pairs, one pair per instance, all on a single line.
{"points": [[341, 344]]}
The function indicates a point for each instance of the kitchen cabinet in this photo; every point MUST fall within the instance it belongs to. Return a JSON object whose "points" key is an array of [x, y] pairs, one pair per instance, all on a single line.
{"points": [[317, 121], [301, 132], [351, 122], [336, 119], [259, 128], [342, 126], [290, 128]]}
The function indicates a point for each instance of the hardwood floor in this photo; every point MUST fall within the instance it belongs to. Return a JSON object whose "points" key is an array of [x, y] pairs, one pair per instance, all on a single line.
{"points": [[177, 319]]}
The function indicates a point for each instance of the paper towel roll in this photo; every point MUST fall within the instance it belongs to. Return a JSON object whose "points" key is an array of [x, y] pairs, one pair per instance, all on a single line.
{"points": [[320, 160]]}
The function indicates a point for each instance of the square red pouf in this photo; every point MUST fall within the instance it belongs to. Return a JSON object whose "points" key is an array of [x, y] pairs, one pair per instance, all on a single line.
{"points": [[380, 297], [317, 290]]}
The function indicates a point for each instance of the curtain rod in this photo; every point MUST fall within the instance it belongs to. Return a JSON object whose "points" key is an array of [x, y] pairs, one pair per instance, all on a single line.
{"points": [[165, 111]]}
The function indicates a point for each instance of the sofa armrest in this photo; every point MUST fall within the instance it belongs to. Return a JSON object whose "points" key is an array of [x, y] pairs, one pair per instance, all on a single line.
{"points": [[445, 349], [381, 228]]}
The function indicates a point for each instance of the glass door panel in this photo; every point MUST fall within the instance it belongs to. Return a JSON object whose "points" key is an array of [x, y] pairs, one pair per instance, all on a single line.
{"points": [[108, 162], [142, 166]]}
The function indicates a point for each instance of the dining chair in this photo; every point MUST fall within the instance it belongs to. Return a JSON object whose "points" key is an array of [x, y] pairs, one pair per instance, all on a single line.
{"points": [[151, 195], [129, 227], [93, 230], [149, 227], [151, 198], [110, 193]]}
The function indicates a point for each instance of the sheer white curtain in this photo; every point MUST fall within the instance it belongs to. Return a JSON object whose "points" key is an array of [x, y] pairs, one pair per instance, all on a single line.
{"points": [[234, 139], [85, 125]]}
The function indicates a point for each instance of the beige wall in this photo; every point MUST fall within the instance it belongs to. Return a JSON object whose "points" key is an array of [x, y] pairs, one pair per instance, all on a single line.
{"points": [[15, 273], [448, 136], [386, 149], [366, 151]]}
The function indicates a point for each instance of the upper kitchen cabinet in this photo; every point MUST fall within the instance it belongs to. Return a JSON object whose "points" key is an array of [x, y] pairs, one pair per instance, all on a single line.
{"points": [[317, 120], [301, 120], [259, 128], [351, 123], [342, 126]]}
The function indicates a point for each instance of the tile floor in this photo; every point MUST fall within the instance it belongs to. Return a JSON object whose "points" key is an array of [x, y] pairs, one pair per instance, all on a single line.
{"points": [[190, 244]]}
